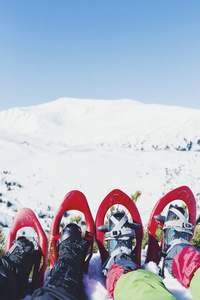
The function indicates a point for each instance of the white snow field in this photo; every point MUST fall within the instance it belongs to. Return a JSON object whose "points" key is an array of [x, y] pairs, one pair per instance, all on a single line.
{"points": [[96, 146]]}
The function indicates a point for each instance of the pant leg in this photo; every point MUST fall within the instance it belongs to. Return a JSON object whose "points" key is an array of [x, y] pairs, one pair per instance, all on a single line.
{"points": [[8, 283], [8, 286], [52, 293], [140, 285], [184, 265], [194, 287]]}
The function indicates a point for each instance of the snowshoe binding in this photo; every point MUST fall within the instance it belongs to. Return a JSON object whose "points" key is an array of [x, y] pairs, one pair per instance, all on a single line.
{"points": [[119, 232], [119, 235], [176, 228]]}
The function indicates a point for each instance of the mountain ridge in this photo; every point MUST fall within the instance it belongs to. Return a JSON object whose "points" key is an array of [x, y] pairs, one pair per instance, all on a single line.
{"points": [[118, 122]]}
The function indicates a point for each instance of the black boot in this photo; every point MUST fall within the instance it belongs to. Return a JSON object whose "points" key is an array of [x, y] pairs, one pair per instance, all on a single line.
{"points": [[15, 268], [65, 280]]}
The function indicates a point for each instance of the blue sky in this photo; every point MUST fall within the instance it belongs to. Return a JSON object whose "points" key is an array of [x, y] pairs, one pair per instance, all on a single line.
{"points": [[143, 50]]}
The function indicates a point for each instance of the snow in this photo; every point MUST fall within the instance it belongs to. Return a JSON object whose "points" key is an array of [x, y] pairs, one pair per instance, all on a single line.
{"points": [[96, 146]]}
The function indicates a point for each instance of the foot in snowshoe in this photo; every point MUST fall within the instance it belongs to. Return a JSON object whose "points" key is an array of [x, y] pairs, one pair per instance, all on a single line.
{"points": [[67, 271], [72, 234], [177, 229], [19, 260], [119, 236]]}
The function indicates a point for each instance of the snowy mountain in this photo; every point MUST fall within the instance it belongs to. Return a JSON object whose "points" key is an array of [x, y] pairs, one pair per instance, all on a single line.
{"points": [[95, 146]]}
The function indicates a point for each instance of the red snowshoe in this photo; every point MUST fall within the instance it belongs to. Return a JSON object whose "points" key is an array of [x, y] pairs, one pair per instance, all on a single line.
{"points": [[25, 217], [182, 193], [74, 200], [119, 230]]}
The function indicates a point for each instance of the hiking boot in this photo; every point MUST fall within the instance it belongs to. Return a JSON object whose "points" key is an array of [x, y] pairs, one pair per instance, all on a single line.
{"points": [[176, 227], [19, 261], [119, 234], [72, 233], [67, 271]]}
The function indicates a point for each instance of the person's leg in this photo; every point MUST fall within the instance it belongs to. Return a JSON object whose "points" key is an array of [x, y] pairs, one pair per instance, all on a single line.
{"points": [[15, 267], [186, 268], [124, 278], [66, 277], [194, 287], [8, 282], [141, 284]]}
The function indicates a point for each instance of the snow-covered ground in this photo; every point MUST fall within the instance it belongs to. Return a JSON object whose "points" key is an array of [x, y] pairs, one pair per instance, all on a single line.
{"points": [[95, 146]]}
